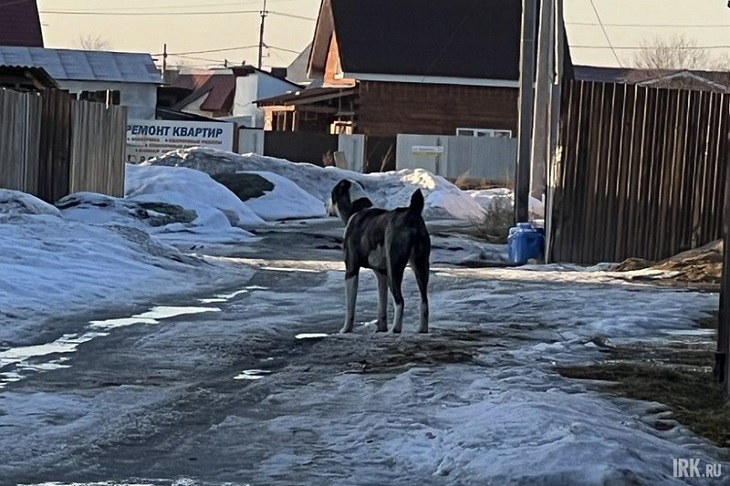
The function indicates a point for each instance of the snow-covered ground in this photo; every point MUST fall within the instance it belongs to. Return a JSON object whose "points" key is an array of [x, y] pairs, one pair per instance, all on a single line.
{"points": [[507, 417]]}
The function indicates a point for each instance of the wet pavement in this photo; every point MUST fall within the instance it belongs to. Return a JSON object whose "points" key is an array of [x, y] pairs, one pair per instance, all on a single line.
{"points": [[252, 385]]}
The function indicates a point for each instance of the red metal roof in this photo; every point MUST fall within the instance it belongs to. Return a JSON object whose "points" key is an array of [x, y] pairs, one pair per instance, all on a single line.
{"points": [[20, 24], [219, 88]]}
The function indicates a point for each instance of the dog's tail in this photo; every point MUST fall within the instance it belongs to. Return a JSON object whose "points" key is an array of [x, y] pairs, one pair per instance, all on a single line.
{"points": [[417, 202]]}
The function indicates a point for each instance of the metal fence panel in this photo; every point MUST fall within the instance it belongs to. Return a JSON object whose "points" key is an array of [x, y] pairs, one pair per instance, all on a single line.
{"points": [[641, 172], [482, 158]]}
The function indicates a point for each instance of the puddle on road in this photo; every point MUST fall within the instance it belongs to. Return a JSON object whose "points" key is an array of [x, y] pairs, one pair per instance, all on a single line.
{"points": [[290, 269], [152, 316], [251, 375], [220, 298], [691, 332], [19, 362], [311, 335]]}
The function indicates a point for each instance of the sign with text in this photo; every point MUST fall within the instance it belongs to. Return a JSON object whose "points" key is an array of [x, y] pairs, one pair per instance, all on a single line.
{"points": [[150, 138], [427, 150]]}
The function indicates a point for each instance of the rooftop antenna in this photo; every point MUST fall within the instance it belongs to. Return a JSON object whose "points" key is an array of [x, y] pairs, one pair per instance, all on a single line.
{"points": [[264, 13]]}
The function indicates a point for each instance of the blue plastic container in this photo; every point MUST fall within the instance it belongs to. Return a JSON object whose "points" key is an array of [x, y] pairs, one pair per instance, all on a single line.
{"points": [[524, 242]]}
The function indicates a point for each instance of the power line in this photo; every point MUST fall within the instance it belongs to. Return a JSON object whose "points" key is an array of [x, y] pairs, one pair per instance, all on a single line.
{"points": [[649, 47], [670, 26], [207, 51], [282, 49], [598, 17], [144, 14], [292, 16]]}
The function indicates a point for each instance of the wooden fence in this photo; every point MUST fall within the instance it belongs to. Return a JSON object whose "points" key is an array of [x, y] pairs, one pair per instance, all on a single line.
{"points": [[641, 173], [52, 144]]}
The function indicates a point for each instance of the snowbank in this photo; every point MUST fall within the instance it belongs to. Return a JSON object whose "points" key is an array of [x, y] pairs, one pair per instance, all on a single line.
{"points": [[52, 265], [388, 190], [286, 201], [215, 205]]}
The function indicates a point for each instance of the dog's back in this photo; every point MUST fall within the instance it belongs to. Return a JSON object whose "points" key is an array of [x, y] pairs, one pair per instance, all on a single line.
{"points": [[400, 234], [386, 242]]}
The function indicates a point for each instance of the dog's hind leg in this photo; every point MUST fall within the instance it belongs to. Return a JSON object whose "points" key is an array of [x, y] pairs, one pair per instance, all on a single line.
{"points": [[351, 281], [382, 300], [420, 268], [395, 280]]}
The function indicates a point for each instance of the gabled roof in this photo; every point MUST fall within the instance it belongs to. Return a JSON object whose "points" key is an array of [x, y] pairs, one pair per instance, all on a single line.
{"points": [[77, 65], [297, 70], [218, 84], [436, 38], [20, 24], [219, 88], [715, 80]]}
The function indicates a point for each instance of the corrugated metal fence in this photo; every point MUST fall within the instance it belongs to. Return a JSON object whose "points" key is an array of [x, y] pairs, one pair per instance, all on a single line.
{"points": [[641, 173], [51, 144]]}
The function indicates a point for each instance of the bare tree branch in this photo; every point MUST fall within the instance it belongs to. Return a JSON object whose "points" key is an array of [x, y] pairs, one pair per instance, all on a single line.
{"points": [[93, 42], [678, 52]]}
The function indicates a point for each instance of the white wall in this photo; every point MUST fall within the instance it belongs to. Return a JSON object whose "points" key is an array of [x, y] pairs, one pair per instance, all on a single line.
{"points": [[493, 159], [140, 99], [255, 87]]}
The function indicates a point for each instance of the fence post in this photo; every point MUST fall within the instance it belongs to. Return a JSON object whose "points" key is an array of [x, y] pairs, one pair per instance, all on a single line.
{"points": [[722, 364]]}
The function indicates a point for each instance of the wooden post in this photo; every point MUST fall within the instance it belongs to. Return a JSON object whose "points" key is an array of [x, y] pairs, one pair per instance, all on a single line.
{"points": [[264, 13], [164, 64], [555, 153], [543, 92], [722, 363], [527, 79]]}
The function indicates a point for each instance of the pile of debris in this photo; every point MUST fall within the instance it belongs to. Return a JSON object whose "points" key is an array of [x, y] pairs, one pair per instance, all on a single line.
{"points": [[701, 266]]}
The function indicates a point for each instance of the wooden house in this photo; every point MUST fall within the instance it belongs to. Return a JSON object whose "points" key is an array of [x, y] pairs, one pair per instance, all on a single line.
{"points": [[383, 67]]}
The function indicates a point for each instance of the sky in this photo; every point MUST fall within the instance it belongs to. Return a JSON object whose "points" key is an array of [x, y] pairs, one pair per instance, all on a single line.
{"points": [[502, 414], [145, 25]]}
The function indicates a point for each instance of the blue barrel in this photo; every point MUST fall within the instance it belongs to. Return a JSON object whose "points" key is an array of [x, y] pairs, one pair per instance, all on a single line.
{"points": [[524, 242]]}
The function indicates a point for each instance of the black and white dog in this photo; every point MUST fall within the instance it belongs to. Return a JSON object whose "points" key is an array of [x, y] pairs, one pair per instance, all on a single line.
{"points": [[384, 241]]}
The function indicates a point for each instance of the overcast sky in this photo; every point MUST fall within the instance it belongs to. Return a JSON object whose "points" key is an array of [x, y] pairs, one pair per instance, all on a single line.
{"points": [[706, 21]]}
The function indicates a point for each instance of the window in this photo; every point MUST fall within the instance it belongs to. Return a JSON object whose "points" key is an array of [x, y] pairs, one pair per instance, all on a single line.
{"points": [[483, 132]]}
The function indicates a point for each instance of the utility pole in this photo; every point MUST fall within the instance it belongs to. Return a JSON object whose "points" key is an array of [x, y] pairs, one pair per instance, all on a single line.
{"points": [[264, 13], [527, 78], [543, 93], [555, 150], [164, 64]]}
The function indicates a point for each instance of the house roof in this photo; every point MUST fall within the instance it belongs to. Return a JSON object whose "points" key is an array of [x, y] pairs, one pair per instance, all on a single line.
{"points": [[77, 65], [297, 70], [20, 24], [26, 78], [435, 38], [218, 84], [714, 79], [306, 96], [219, 88]]}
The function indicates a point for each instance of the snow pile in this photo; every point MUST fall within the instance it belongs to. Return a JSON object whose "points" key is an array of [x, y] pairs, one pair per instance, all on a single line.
{"points": [[51, 264], [487, 198], [388, 190], [14, 203], [286, 201], [215, 205]]}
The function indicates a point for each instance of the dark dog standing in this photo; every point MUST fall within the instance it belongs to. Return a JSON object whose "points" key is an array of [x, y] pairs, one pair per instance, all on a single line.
{"points": [[384, 241]]}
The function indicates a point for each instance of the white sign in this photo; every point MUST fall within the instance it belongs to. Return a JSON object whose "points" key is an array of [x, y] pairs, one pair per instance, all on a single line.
{"points": [[427, 150], [150, 138]]}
